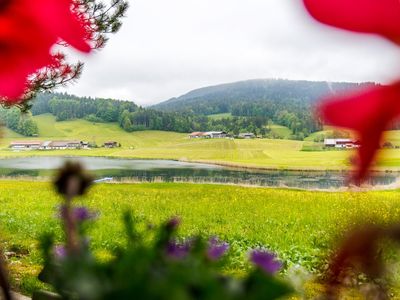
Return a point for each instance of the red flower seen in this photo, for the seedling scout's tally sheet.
(380, 17)
(368, 112)
(28, 31)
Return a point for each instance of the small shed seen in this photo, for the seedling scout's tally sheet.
(110, 144)
(247, 135)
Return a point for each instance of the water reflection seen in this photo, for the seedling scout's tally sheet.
(174, 171)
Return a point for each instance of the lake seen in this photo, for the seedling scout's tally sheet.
(176, 171)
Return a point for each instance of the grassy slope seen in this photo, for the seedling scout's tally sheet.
(281, 131)
(170, 145)
(298, 225)
(220, 116)
(285, 154)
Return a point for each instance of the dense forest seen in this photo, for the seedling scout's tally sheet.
(251, 106)
(283, 102)
(21, 123)
(222, 98)
(131, 117)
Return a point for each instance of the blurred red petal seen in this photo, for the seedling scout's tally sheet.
(28, 31)
(367, 16)
(369, 113)
(64, 23)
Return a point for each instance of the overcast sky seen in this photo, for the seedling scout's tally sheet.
(169, 47)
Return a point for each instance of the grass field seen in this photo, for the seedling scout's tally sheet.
(300, 226)
(220, 116)
(280, 131)
(261, 153)
(170, 145)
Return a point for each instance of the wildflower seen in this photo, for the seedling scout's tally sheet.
(79, 213)
(216, 249)
(28, 31)
(368, 112)
(363, 16)
(83, 214)
(72, 180)
(173, 223)
(60, 252)
(178, 250)
(265, 260)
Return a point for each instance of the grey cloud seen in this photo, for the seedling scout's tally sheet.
(166, 48)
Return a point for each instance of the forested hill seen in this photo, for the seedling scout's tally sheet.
(127, 114)
(244, 97)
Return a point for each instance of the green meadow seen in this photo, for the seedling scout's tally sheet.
(257, 153)
(264, 153)
(299, 226)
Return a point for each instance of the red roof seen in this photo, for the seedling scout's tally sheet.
(197, 133)
(26, 143)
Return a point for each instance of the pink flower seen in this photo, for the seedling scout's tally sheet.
(365, 16)
(367, 112)
(28, 31)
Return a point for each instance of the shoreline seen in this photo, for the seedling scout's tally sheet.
(229, 165)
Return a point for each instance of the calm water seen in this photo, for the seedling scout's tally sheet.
(174, 171)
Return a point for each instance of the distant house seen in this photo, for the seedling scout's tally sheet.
(61, 145)
(341, 143)
(215, 134)
(247, 135)
(25, 145)
(46, 145)
(110, 144)
(195, 135)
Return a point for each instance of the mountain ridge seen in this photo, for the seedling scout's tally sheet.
(254, 90)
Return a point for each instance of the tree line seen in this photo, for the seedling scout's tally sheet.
(132, 117)
(21, 123)
(246, 117)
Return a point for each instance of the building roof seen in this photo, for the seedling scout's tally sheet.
(214, 132)
(246, 133)
(197, 133)
(28, 143)
(63, 143)
(336, 141)
(46, 143)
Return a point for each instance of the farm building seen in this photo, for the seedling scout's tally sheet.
(341, 143)
(209, 135)
(48, 145)
(110, 144)
(195, 135)
(25, 145)
(215, 134)
(247, 135)
(60, 145)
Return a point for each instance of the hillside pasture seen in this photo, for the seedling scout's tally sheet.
(220, 116)
(260, 153)
(279, 131)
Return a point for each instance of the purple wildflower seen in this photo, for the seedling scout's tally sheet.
(178, 250)
(82, 214)
(79, 213)
(216, 249)
(265, 260)
(60, 252)
(173, 223)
